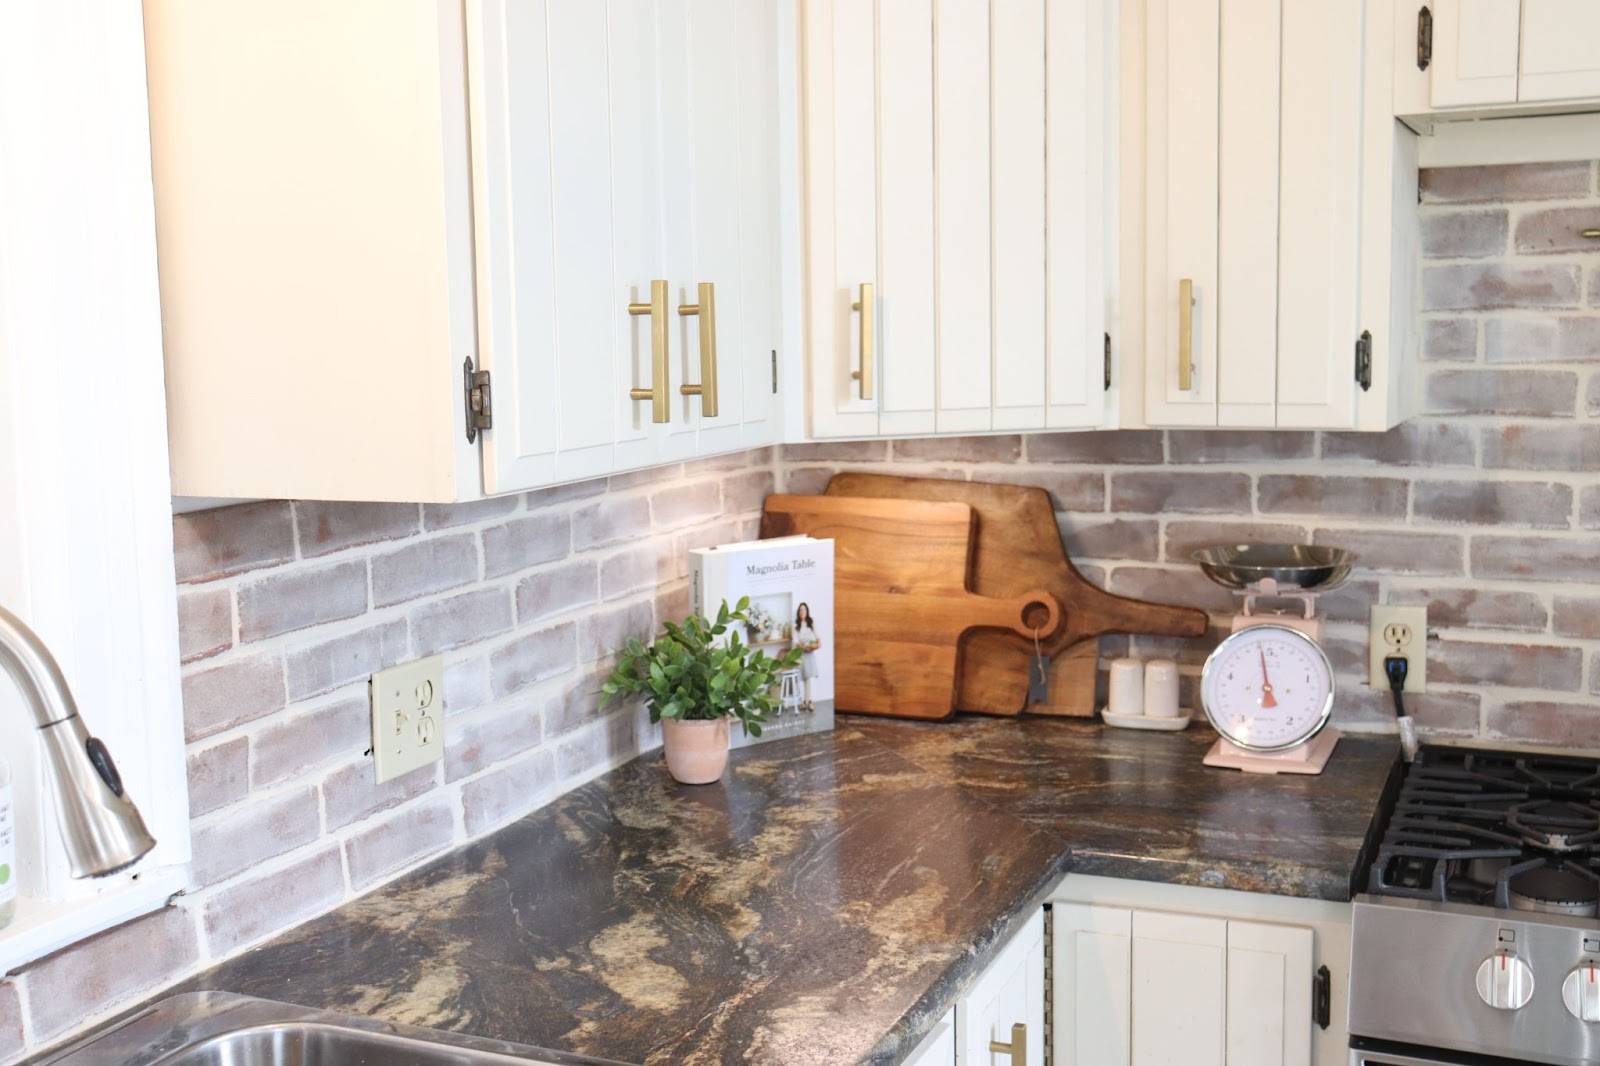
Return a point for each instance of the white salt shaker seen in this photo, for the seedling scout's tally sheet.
(1127, 687)
(1161, 688)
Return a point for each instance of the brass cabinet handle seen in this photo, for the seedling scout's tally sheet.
(657, 392)
(864, 305)
(1017, 1049)
(707, 310)
(1185, 334)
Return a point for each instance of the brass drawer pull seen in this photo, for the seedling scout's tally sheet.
(865, 325)
(706, 309)
(659, 364)
(1017, 1049)
(1185, 334)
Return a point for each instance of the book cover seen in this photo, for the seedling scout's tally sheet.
(790, 584)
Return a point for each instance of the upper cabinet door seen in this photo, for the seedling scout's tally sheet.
(1319, 215)
(1560, 50)
(841, 154)
(1475, 51)
(1256, 131)
(957, 223)
(568, 223)
(624, 161)
(1080, 252)
(1183, 55)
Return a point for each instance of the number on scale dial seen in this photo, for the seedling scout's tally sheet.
(1267, 688)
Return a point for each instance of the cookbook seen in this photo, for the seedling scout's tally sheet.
(790, 584)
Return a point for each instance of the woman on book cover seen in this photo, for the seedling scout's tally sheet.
(807, 640)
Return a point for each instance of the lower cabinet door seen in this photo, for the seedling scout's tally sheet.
(1092, 964)
(1179, 966)
(1151, 988)
(1269, 994)
(1010, 993)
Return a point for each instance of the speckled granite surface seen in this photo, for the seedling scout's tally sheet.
(824, 904)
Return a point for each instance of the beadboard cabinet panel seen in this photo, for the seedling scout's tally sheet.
(956, 164)
(1274, 174)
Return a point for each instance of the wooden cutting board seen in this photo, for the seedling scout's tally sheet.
(1018, 548)
(902, 598)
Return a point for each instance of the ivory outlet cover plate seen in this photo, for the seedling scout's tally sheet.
(407, 717)
(1405, 629)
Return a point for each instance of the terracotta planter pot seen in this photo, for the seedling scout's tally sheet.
(697, 752)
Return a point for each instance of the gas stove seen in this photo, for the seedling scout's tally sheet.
(1479, 931)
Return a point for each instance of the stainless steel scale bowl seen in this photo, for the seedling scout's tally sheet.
(1292, 567)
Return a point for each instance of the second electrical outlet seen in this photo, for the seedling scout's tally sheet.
(407, 716)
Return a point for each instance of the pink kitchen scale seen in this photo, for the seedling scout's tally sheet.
(1268, 688)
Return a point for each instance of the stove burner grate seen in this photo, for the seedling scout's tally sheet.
(1494, 829)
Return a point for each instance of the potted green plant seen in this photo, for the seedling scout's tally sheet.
(696, 678)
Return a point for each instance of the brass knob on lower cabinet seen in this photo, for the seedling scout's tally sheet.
(660, 411)
(706, 309)
(1017, 1049)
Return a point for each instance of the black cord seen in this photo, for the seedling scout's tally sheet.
(1395, 668)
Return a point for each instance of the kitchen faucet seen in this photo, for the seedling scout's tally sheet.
(100, 826)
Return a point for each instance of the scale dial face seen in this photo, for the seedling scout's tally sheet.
(1267, 688)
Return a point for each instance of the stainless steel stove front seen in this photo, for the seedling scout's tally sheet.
(1475, 979)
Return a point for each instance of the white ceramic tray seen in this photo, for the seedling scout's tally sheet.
(1141, 721)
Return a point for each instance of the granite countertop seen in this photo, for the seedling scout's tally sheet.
(825, 903)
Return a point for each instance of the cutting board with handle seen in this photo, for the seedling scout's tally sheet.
(1019, 548)
(901, 593)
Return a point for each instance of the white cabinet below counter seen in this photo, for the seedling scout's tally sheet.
(1165, 975)
(361, 205)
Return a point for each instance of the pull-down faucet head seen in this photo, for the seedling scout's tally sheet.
(100, 826)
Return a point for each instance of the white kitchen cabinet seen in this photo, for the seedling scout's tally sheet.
(1279, 218)
(958, 224)
(1162, 975)
(1559, 51)
(359, 205)
(1474, 52)
(1006, 1004)
(1488, 57)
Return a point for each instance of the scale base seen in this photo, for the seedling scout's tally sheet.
(1308, 758)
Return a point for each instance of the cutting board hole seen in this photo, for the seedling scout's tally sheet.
(1035, 615)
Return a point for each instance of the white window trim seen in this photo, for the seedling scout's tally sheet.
(86, 545)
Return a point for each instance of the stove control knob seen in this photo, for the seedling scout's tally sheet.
(1505, 982)
(1581, 992)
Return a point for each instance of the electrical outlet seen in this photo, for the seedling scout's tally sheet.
(407, 716)
(1398, 631)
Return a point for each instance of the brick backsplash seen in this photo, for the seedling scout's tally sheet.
(1483, 509)
(285, 608)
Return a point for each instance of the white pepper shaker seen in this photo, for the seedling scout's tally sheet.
(1161, 688)
(1127, 687)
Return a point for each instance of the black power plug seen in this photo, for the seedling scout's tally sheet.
(1396, 668)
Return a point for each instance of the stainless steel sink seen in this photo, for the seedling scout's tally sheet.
(220, 1029)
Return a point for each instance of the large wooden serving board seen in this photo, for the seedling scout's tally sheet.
(1018, 548)
(901, 596)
